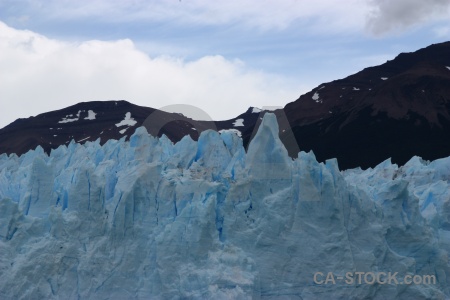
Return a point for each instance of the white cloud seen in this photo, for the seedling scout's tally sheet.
(325, 15)
(378, 17)
(38, 74)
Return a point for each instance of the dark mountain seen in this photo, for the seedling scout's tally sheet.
(89, 121)
(104, 120)
(398, 109)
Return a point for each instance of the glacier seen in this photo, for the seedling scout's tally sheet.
(149, 219)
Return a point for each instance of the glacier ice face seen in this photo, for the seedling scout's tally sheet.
(149, 219)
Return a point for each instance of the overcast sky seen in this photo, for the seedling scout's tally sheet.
(221, 56)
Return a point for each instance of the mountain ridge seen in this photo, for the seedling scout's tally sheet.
(396, 110)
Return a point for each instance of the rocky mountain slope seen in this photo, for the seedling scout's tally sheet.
(398, 109)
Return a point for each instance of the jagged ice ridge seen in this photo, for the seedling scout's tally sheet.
(152, 219)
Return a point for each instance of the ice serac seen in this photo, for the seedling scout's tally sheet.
(147, 219)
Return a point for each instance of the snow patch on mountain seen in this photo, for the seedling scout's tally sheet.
(70, 118)
(91, 115)
(256, 110)
(238, 122)
(315, 97)
(82, 140)
(128, 121)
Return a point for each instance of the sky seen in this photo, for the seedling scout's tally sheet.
(219, 56)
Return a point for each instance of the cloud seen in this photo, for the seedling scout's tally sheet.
(38, 74)
(397, 15)
(322, 15)
(377, 17)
